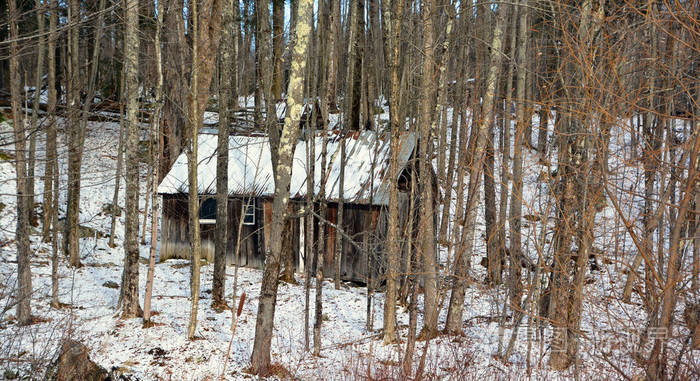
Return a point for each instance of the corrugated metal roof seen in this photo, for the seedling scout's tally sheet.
(250, 167)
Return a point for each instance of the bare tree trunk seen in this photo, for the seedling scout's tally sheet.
(176, 57)
(657, 357)
(277, 47)
(321, 253)
(338, 256)
(463, 127)
(354, 73)
(696, 241)
(465, 248)
(246, 49)
(264, 68)
(309, 227)
(440, 124)
(129, 296)
(496, 262)
(652, 133)
(350, 123)
(149, 187)
(311, 255)
(192, 161)
(412, 321)
(54, 243)
(374, 66)
(115, 209)
(155, 139)
(493, 252)
(71, 238)
(51, 191)
(543, 129)
(393, 242)
(260, 358)
(228, 101)
(92, 77)
(318, 318)
(321, 246)
(410, 232)
(334, 56)
(24, 275)
(573, 196)
(517, 190)
(206, 25)
(51, 152)
(34, 129)
(427, 248)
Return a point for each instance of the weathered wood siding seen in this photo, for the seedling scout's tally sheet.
(175, 242)
(366, 225)
(254, 238)
(361, 246)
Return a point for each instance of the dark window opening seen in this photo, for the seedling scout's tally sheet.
(404, 182)
(207, 211)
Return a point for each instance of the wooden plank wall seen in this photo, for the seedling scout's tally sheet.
(363, 224)
(175, 241)
(254, 241)
(366, 225)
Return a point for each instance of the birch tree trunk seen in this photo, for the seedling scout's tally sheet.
(440, 124)
(155, 139)
(266, 67)
(495, 263)
(442, 107)
(462, 159)
(260, 358)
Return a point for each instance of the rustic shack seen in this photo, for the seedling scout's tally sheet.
(251, 191)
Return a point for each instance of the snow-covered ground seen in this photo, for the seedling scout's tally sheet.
(349, 350)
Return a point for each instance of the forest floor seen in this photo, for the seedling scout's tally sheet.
(349, 350)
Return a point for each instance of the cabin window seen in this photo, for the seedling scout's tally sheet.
(207, 212)
(248, 211)
(404, 183)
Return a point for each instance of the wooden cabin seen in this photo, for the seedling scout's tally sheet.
(251, 191)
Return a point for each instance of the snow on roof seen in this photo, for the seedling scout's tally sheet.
(250, 167)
